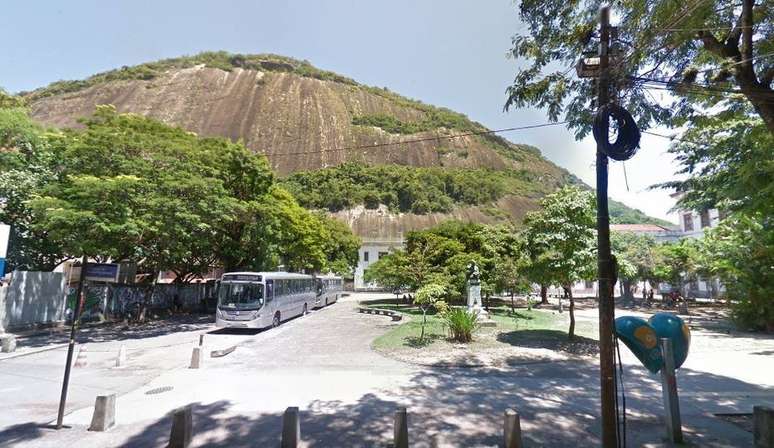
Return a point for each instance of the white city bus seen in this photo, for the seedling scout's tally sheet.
(329, 288)
(263, 299)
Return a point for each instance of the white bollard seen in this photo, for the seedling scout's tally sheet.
(763, 427)
(512, 429)
(121, 359)
(182, 428)
(7, 343)
(80, 360)
(291, 428)
(104, 416)
(400, 431)
(196, 358)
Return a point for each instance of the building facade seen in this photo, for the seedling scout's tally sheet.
(370, 251)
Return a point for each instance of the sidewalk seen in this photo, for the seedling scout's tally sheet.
(45, 339)
(31, 381)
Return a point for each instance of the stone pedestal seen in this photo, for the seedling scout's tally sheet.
(475, 306)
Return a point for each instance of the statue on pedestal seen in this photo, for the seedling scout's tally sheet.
(474, 291)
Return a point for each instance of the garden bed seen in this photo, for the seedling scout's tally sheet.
(522, 336)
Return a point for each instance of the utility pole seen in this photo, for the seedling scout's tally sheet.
(71, 347)
(604, 259)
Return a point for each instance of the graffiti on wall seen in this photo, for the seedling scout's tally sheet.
(102, 301)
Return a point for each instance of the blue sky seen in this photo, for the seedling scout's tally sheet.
(445, 52)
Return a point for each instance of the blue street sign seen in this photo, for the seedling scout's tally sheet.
(102, 271)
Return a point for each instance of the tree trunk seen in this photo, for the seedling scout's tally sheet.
(424, 321)
(571, 332)
(627, 289)
(543, 295)
(513, 306)
(486, 302)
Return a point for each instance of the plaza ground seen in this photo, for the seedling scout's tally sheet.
(324, 363)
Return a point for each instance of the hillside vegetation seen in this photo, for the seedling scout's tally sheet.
(335, 143)
(405, 189)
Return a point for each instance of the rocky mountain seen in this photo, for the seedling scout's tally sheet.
(305, 119)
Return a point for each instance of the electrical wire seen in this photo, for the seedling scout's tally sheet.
(673, 24)
(762, 56)
(628, 139)
(674, 138)
(713, 92)
(418, 140)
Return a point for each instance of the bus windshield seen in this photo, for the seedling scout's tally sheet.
(240, 296)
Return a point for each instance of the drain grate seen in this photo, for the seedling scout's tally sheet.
(159, 390)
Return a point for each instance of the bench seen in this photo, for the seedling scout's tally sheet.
(393, 314)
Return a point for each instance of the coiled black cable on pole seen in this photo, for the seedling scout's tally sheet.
(628, 139)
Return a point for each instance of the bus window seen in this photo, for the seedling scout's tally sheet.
(269, 290)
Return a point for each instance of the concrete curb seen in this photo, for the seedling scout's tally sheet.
(32, 352)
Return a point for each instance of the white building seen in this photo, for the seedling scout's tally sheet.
(370, 251)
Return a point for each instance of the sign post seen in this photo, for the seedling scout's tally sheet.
(669, 391)
(71, 347)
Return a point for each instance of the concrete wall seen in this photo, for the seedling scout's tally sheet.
(112, 300)
(32, 298)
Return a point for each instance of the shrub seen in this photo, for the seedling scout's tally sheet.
(428, 296)
(461, 324)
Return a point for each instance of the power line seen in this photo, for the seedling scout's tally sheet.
(418, 140)
(656, 31)
(762, 56)
(707, 91)
(718, 28)
(674, 138)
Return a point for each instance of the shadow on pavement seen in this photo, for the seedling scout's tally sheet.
(464, 407)
(119, 331)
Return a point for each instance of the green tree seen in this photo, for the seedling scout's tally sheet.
(740, 251)
(699, 49)
(427, 296)
(391, 272)
(28, 162)
(676, 263)
(635, 257)
(133, 187)
(727, 158)
(560, 240)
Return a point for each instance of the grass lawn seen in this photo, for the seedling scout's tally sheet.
(528, 328)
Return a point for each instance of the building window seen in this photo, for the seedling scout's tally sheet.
(688, 222)
(382, 254)
(705, 220)
(365, 256)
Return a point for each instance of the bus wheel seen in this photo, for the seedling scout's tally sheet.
(306, 311)
(276, 321)
(326, 301)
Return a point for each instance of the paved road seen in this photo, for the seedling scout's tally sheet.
(347, 394)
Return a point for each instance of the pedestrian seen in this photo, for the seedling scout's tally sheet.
(177, 304)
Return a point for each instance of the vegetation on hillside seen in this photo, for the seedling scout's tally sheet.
(213, 59)
(132, 188)
(622, 214)
(440, 118)
(406, 189)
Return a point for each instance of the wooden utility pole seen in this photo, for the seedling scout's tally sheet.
(71, 347)
(604, 259)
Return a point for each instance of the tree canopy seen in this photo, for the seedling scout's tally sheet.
(703, 52)
(127, 187)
